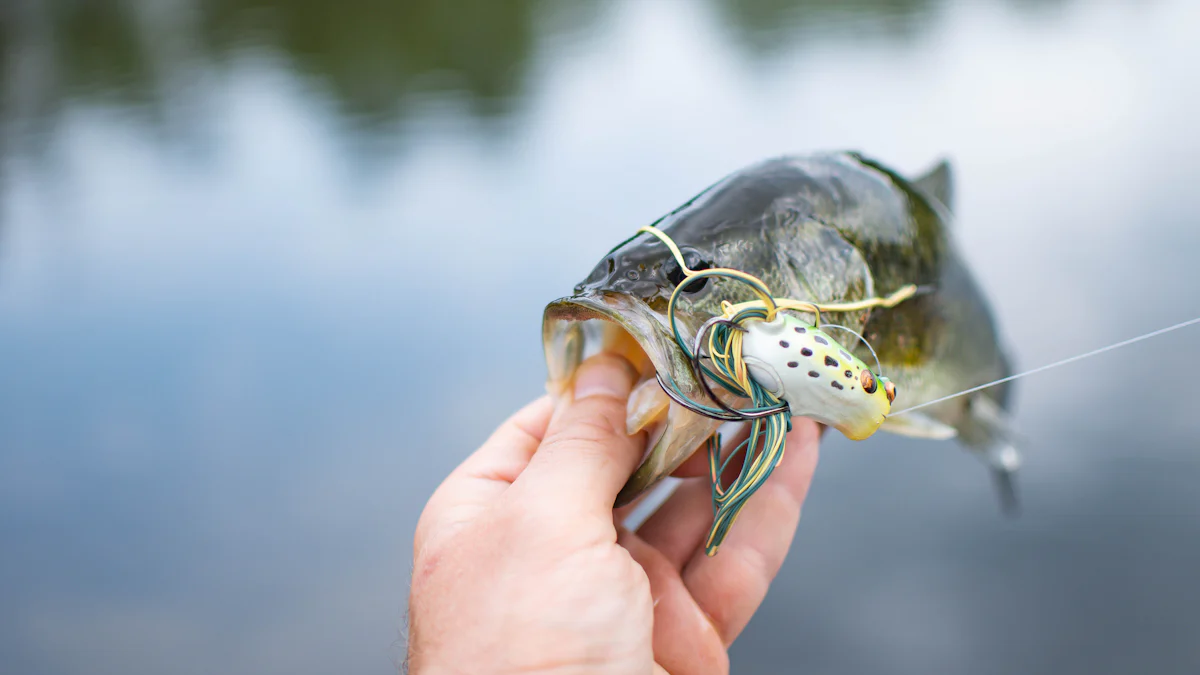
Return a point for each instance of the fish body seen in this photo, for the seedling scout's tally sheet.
(825, 228)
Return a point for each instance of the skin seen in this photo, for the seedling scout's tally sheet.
(521, 566)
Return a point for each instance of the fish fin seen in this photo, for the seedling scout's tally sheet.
(1006, 491)
(938, 183)
(918, 425)
(1004, 460)
(994, 441)
(991, 417)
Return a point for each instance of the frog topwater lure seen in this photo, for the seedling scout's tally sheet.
(786, 366)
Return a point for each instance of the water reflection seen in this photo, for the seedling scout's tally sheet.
(219, 412)
(372, 59)
(771, 26)
(376, 61)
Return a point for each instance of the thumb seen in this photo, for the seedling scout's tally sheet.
(586, 456)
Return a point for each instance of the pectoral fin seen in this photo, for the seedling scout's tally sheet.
(918, 425)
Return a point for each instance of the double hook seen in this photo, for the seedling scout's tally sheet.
(727, 413)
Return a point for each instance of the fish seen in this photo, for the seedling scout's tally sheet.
(826, 228)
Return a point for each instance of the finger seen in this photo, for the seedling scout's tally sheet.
(697, 463)
(730, 585)
(586, 456)
(506, 453)
(685, 641)
(621, 514)
(646, 504)
(488, 471)
(681, 524)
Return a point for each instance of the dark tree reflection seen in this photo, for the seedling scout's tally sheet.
(770, 26)
(373, 58)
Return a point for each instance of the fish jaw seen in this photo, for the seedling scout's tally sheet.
(576, 327)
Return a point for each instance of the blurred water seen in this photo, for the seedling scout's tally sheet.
(234, 234)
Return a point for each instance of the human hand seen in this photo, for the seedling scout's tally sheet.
(521, 565)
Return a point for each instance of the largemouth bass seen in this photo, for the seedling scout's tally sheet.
(828, 228)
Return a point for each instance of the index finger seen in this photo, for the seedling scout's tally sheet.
(489, 471)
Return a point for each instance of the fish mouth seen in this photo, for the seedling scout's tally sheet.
(579, 326)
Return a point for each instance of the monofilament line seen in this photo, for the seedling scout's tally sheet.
(1078, 357)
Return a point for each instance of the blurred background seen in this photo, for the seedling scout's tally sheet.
(235, 236)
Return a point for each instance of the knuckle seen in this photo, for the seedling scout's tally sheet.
(755, 571)
(426, 564)
(642, 588)
(522, 515)
(591, 424)
(533, 519)
(587, 449)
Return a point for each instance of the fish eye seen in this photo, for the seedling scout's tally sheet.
(869, 384)
(890, 390)
(694, 262)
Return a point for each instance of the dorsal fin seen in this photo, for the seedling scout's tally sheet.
(938, 183)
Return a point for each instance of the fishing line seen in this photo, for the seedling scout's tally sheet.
(1049, 366)
(878, 365)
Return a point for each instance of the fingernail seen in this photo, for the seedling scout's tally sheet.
(604, 375)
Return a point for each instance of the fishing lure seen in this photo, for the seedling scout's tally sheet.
(786, 366)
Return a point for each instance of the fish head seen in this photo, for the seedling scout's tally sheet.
(621, 307)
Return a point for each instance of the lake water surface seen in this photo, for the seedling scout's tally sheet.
(236, 237)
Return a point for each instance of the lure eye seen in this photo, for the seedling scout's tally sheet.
(694, 262)
(869, 384)
(890, 390)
